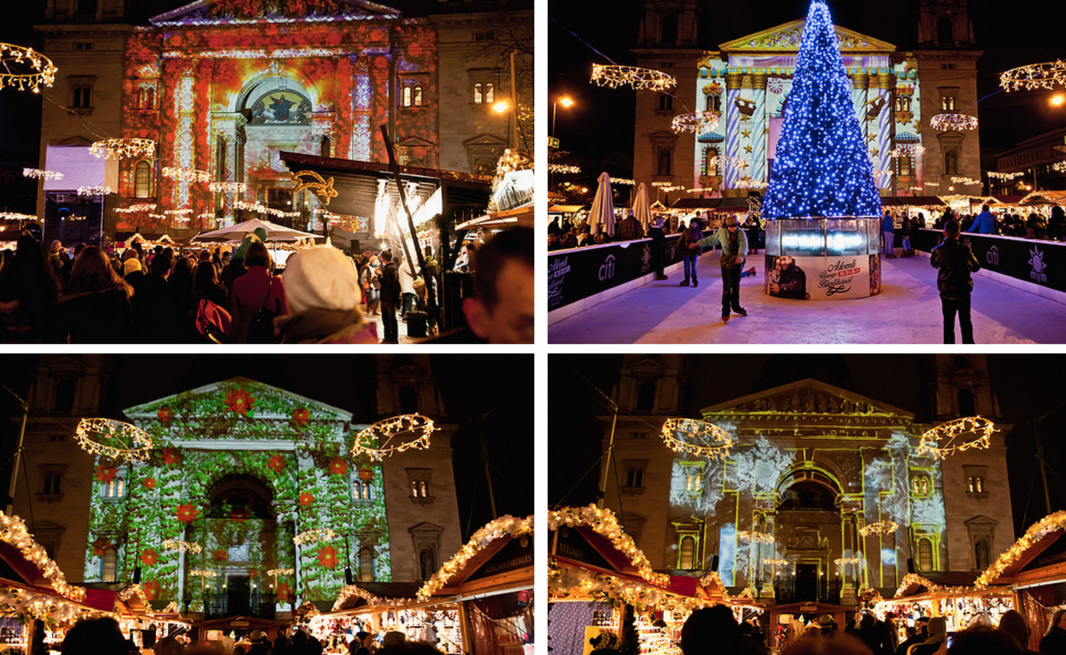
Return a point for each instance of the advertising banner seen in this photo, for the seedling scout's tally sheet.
(582, 272)
(823, 278)
(1042, 263)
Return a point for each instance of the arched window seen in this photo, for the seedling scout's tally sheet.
(980, 554)
(427, 562)
(670, 29)
(945, 31)
(966, 403)
(109, 564)
(142, 180)
(925, 555)
(407, 97)
(711, 164)
(418, 96)
(361, 491)
(951, 162)
(408, 400)
(646, 395)
(366, 565)
(686, 558)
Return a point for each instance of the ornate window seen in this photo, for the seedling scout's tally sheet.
(686, 553)
(142, 180)
(109, 564)
(976, 481)
(484, 93)
(366, 564)
(419, 486)
(116, 488)
(925, 555)
(689, 543)
(362, 492)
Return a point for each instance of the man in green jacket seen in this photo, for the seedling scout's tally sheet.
(734, 249)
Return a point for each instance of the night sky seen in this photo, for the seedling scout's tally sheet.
(469, 385)
(598, 130)
(1022, 384)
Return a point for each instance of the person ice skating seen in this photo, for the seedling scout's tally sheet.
(955, 262)
(690, 251)
(888, 231)
(734, 250)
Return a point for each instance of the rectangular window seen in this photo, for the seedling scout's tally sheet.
(83, 46)
(82, 98)
(638, 435)
(635, 478)
(361, 491)
(484, 93)
(53, 484)
(115, 488)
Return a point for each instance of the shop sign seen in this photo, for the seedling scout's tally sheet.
(516, 190)
(819, 278)
(582, 272)
(516, 554)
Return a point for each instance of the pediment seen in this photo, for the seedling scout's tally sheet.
(212, 12)
(426, 528)
(788, 37)
(198, 412)
(807, 396)
(415, 142)
(485, 140)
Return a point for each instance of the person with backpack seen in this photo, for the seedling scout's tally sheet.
(258, 297)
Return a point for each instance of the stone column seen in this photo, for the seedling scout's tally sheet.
(732, 127)
(760, 129)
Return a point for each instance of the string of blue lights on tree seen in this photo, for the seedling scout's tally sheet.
(821, 167)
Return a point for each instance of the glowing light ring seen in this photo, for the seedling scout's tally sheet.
(95, 191)
(658, 184)
(16, 216)
(39, 174)
(228, 187)
(694, 122)
(13, 531)
(846, 560)
(1059, 167)
(776, 562)
(182, 546)
(959, 179)
(1034, 76)
(726, 160)
(44, 71)
(695, 437)
(131, 442)
(882, 527)
(953, 122)
(314, 536)
(639, 78)
(186, 174)
(751, 184)
(755, 537)
(203, 573)
(948, 433)
(276, 572)
(505, 526)
(907, 151)
(1037, 532)
(623, 180)
(996, 175)
(564, 169)
(132, 209)
(377, 440)
(123, 148)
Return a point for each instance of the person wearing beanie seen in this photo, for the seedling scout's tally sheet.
(323, 297)
(938, 628)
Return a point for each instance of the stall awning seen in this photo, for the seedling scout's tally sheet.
(911, 201)
(915, 584)
(1038, 556)
(517, 217)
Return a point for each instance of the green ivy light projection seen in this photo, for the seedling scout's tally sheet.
(295, 450)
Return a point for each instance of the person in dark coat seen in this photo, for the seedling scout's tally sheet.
(658, 248)
(157, 314)
(956, 261)
(390, 298)
(1054, 641)
(27, 293)
(94, 305)
(1012, 623)
(1056, 225)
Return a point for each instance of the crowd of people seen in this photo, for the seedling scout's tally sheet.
(1011, 224)
(218, 295)
(565, 232)
(103, 636)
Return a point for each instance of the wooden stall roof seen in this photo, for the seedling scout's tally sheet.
(838, 611)
(911, 201)
(388, 591)
(1038, 556)
(915, 584)
(504, 564)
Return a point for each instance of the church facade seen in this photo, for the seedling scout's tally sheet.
(744, 85)
(812, 465)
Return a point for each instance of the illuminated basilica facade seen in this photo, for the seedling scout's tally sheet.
(223, 86)
(813, 465)
(745, 82)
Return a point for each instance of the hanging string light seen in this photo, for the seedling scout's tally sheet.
(961, 179)
(726, 160)
(355, 591)
(881, 527)
(177, 212)
(695, 437)
(564, 169)
(842, 561)
(1034, 76)
(182, 546)
(639, 78)
(16, 216)
(394, 435)
(1059, 167)
(39, 174)
(953, 122)
(505, 526)
(13, 532)
(1035, 534)
(907, 151)
(756, 537)
(995, 175)
(14, 58)
(695, 122)
(182, 174)
(956, 436)
(228, 187)
(776, 562)
(623, 181)
(133, 209)
(123, 148)
(94, 191)
(276, 572)
(203, 573)
(751, 184)
(113, 439)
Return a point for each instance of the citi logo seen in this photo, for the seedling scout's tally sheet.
(992, 256)
(607, 269)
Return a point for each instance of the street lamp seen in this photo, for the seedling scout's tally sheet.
(565, 101)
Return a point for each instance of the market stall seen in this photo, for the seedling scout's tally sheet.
(491, 577)
(950, 594)
(786, 622)
(1034, 570)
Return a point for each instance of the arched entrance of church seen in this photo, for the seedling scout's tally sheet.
(808, 525)
(238, 539)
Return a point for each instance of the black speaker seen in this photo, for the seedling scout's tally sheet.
(136, 575)
(714, 564)
(910, 565)
(348, 575)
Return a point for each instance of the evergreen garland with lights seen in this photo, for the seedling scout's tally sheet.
(821, 167)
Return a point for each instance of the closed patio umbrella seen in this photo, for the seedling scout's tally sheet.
(601, 216)
(642, 207)
(274, 232)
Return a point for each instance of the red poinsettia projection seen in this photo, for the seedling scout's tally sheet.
(301, 416)
(239, 402)
(187, 513)
(106, 474)
(99, 546)
(151, 589)
(337, 466)
(327, 557)
(171, 456)
(284, 592)
(165, 415)
(306, 499)
(149, 557)
(220, 555)
(276, 463)
(149, 483)
(239, 514)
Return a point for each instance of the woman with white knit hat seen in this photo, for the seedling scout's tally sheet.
(323, 296)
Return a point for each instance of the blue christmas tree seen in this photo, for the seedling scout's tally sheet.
(821, 168)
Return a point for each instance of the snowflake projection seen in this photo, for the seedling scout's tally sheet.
(684, 493)
(929, 511)
(759, 468)
(728, 555)
(894, 505)
(775, 85)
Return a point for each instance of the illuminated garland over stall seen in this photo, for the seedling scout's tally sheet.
(604, 523)
(14, 57)
(954, 430)
(13, 532)
(1038, 531)
(505, 526)
(639, 78)
(565, 582)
